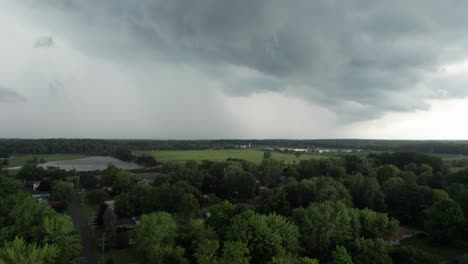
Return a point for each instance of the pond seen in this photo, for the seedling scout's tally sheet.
(91, 164)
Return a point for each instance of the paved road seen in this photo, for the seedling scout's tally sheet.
(81, 223)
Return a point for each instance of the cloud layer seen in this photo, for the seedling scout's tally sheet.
(10, 96)
(354, 60)
(354, 56)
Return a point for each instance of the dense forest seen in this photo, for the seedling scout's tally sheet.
(334, 210)
(109, 147)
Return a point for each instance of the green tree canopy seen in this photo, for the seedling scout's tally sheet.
(293, 260)
(326, 225)
(61, 191)
(19, 252)
(123, 182)
(366, 192)
(266, 235)
(238, 182)
(444, 221)
(221, 216)
(369, 251)
(386, 172)
(59, 231)
(341, 256)
(156, 237)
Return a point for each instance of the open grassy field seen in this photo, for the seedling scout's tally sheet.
(220, 155)
(22, 159)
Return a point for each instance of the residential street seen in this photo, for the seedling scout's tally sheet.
(81, 223)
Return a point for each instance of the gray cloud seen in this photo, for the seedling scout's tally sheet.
(10, 96)
(359, 58)
(44, 42)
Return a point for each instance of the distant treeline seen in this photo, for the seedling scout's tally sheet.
(109, 147)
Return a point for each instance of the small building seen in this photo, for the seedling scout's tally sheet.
(41, 196)
(44, 185)
(147, 181)
(35, 185)
(110, 204)
(128, 223)
(107, 188)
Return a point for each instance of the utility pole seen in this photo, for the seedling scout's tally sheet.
(83, 197)
(103, 243)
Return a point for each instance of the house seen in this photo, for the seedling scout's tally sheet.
(147, 181)
(137, 219)
(128, 223)
(44, 185)
(107, 188)
(41, 196)
(110, 204)
(35, 185)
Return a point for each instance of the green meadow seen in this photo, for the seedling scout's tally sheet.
(220, 155)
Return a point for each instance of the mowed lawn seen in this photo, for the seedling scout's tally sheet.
(221, 155)
(21, 160)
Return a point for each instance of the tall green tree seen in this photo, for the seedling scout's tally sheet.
(19, 252)
(238, 182)
(221, 216)
(293, 260)
(156, 237)
(301, 194)
(265, 235)
(328, 189)
(123, 182)
(369, 251)
(462, 198)
(8, 186)
(273, 200)
(444, 221)
(386, 172)
(326, 225)
(28, 216)
(207, 252)
(341, 256)
(235, 252)
(61, 191)
(309, 168)
(192, 233)
(59, 231)
(366, 192)
(271, 171)
(125, 206)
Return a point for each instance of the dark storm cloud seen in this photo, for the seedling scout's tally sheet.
(351, 56)
(10, 96)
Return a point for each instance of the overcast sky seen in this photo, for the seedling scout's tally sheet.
(172, 69)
